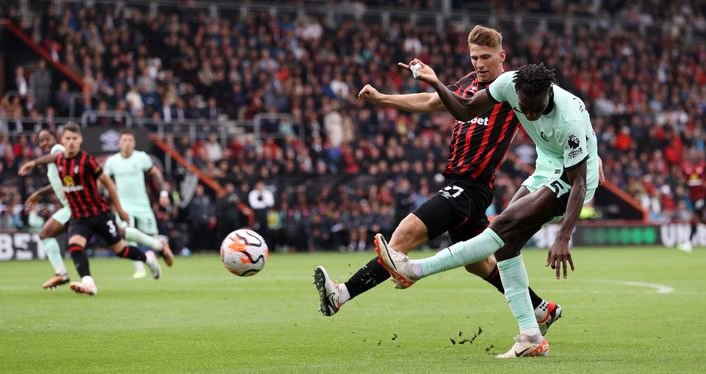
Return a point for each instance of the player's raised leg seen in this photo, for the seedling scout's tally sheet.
(53, 227)
(435, 216)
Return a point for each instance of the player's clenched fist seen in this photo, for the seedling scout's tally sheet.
(369, 94)
(420, 70)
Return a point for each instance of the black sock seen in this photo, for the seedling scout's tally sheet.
(366, 278)
(494, 279)
(133, 254)
(78, 255)
(694, 228)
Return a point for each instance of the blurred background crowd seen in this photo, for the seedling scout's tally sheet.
(263, 100)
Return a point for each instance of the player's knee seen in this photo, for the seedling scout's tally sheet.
(482, 268)
(43, 234)
(509, 250)
(73, 247)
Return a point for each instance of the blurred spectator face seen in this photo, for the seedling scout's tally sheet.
(126, 144)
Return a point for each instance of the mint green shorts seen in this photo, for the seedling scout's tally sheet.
(142, 220)
(559, 187)
(63, 215)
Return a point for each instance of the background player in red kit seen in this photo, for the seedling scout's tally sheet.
(90, 212)
(476, 150)
(694, 172)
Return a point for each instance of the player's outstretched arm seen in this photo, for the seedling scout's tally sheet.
(34, 197)
(105, 180)
(560, 253)
(463, 109)
(28, 166)
(424, 102)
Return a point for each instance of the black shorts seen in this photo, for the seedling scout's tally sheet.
(458, 208)
(102, 225)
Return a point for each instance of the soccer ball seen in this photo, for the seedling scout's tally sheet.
(244, 252)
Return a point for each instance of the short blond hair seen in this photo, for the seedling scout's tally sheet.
(485, 36)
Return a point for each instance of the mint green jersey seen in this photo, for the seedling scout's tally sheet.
(129, 175)
(54, 178)
(563, 138)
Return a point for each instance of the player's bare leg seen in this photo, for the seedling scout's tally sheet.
(410, 233)
(47, 235)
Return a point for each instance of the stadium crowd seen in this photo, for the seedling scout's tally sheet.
(358, 169)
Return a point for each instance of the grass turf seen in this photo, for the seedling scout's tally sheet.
(201, 319)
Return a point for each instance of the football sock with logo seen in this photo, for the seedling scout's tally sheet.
(132, 253)
(461, 253)
(494, 279)
(134, 235)
(78, 255)
(514, 277)
(51, 247)
(367, 277)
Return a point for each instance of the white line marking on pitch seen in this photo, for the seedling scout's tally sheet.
(659, 288)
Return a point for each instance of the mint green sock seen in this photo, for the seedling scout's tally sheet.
(462, 253)
(514, 277)
(135, 235)
(51, 247)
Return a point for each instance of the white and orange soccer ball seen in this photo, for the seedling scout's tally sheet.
(244, 252)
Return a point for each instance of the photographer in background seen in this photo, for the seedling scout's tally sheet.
(261, 199)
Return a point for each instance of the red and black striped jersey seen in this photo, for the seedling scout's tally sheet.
(695, 175)
(79, 175)
(478, 146)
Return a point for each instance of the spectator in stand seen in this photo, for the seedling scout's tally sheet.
(40, 86)
(202, 219)
(260, 200)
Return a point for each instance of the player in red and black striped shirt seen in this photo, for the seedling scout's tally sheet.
(476, 150)
(90, 212)
(694, 172)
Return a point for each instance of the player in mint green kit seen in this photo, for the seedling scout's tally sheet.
(128, 168)
(566, 177)
(57, 223)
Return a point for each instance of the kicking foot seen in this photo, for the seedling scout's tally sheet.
(526, 347)
(167, 253)
(396, 263)
(328, 292)
(55, 281)
(152, 264)
(547, 313)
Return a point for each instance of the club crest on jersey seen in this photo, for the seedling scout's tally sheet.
(68, 181)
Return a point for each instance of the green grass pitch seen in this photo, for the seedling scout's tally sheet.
(201, 319)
